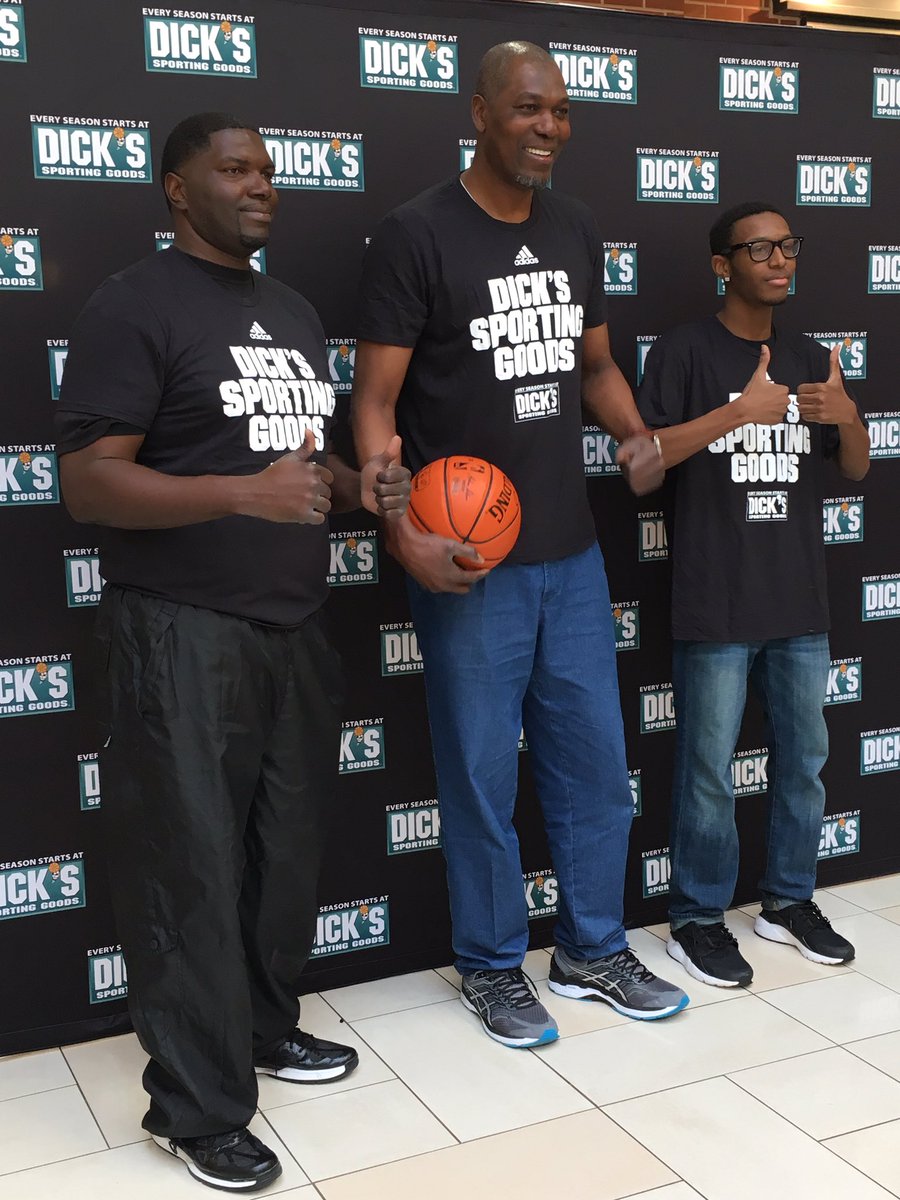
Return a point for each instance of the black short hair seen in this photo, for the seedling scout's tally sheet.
(191, 136)
(494, 67)
(722, 232)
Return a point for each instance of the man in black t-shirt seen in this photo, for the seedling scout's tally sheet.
(477, 296)
(747, 415)
(188, 378)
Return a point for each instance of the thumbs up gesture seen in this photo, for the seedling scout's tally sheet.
(827, 403)
(384, 483)
(762, 401)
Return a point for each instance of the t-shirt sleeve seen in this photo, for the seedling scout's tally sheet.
(664, 389)
(596, 311)
(395, 290)
(115, 364)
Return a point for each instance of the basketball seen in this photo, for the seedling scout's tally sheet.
(468, 500)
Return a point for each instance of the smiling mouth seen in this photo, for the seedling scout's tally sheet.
(261, 214)
(540, 155)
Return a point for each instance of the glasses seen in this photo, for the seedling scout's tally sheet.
(762, 249)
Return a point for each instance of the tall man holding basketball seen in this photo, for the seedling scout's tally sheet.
(474, 294)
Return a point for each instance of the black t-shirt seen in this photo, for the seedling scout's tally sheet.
(744, 515)
(495, 313)
(223, 377)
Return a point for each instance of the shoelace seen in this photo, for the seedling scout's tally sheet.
(218, 1142)
(716, 936)
(511, 986)
(628, 964)
(807, 915)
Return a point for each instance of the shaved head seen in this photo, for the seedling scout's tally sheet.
(495, 67)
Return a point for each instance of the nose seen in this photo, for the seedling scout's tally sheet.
(546, 124)
(260, 185)
(777, 258)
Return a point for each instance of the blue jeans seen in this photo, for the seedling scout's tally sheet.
(710, 681)
(529, 646)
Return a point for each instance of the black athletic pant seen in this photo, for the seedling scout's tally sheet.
(218, 772)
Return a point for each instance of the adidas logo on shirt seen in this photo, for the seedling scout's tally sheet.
(258, 333)
(525, 258)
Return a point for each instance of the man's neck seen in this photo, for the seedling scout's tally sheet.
(500, 200)
(745, 321)
(190, 242)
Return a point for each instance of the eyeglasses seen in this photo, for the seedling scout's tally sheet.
(762, 249)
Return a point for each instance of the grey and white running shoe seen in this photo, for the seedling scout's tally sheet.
(508, 1007)
(620, 980)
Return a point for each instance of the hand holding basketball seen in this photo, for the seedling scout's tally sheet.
(470, 501)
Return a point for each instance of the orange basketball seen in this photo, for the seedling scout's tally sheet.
(470, 501)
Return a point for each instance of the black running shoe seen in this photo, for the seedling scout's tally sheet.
(302, 1058)
(233, 1162)
(710, 953)
(805, 926)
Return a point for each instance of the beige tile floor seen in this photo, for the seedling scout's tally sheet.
(787, 1090)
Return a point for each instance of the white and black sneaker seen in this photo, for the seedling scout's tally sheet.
(805, 926)
(302, 1058)
(509, 1008)
(233, 1162)
(710, 953)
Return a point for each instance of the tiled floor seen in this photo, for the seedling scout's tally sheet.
(787, 1090)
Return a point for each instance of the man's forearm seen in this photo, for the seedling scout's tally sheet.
(853, 452)
(607, 398)
(345, 494)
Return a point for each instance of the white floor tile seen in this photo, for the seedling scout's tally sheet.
(389, 995)
(319, 1018)
(536, 964)
(729, 1146)
(831, 904)
(774, 964)
(870, 893)
(844, 1008)
(645, 1056)
(24, 1074)
(109, 1074)
(889, 914)
(873, 1151)
(675, 1191)
(651, 950)
(581, 1157)
(877, 943)
(138, 1172)
(46, 1127)
(824, 1094)
(882, 1052)
(360, 1129)
(473, 1084)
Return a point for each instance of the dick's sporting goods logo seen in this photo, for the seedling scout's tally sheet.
(828, 179)
(634, 782)
(41, 885)
(884, 434)
(164, 239)
(400, 653)
(880, 597)
(657, 707)
(886, 92)
(537, 401)
(643, 342)
(83, 580)
(36, 685)
(413, 827)
(466, 153)
(853, 351)
(341, 361)
(89, 782)
(620, 268)
(541, 894)
(599, 451)
(28, 475)
(748, 772)
(655, 872)
(767, 506)
(840, 835)
(206, 44)
(844, 681)
(843, 519)
(879, 750)
(759, 85)
(107, 975)
(310, 158)
(682, 176)
(12, 32)
(57, 352)
(652, 542)
(627, 625)
(360, 925)
(108, 149)
(20, 259)
(884, 269)
(603, 73)
(354, 558)
(416, 62)
(362, 746)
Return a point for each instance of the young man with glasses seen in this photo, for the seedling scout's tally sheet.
(747, 414)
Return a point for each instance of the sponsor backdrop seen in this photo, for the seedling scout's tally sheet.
(361, 108)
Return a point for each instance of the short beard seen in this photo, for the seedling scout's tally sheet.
(532, 181)
(252, 243)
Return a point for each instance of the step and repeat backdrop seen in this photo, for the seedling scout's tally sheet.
(361, 108)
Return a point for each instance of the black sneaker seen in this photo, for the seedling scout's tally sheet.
(805, 926)
(710, 953)
(235, 1161)
(509, 1008)
(303, 1058)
